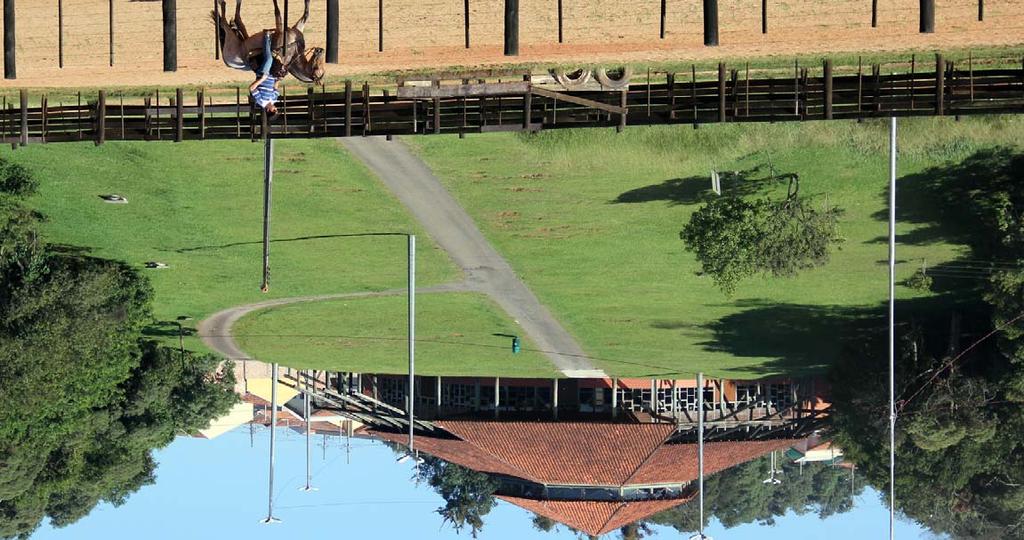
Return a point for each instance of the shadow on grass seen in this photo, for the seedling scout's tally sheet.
(949, 202)
(296, 239)
(797, 339)
(697, 189)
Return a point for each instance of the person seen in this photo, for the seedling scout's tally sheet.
(264, 89)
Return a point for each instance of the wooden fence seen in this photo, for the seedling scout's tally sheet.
(517, 106)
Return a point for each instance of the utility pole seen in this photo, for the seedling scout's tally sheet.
(700, 446)
(892, 327)
(268, 188)
(306, 414)
(412, 337)
(273, 425)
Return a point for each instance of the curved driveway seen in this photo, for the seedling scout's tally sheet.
(412, 182)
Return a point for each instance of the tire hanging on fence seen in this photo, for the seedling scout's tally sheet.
(614, 82)
(572, 79)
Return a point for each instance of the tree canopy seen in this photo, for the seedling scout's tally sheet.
(83, 399)
(737, 237)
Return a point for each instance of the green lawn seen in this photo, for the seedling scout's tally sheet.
(454, 335)
(591, 220)
(198, 208)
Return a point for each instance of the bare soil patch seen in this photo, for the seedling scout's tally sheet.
(429, 34)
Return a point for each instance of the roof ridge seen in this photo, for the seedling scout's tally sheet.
(648, 458)
(525, 476)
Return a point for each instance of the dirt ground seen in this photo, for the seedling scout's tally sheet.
(429, 33)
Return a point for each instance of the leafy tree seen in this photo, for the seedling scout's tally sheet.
(468, 494)
(543, 524)
(83, 401)
(735, 238)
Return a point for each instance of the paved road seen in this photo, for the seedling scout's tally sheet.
(486, 271)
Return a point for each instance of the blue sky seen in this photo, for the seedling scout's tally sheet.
(218, 489)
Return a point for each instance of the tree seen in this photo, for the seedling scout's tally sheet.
(468, 494)
(735, 237)
(83, 400)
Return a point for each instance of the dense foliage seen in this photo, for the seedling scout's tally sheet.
(468, 494)
(736, 237)
(83, 400)
(960, 370)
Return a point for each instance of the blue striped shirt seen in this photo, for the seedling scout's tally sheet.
(266, 93)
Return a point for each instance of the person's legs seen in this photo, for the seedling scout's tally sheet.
(268, 56)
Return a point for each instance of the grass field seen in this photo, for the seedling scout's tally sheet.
(198, 208)
(455, 334)
(591, 220)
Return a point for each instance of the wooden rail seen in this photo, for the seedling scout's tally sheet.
(486, 107)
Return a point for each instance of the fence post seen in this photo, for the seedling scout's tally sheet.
(560, 20)
(721, 92)
(333, 20)
(60, 34)
(348, 108)
(24, 117)
(465, 21)
(927, 16)
(110, 6)
(10, 67)
(101, 118)
(511, 27)
(664, 9)
(710, 23)
(179, 120)
(940, 86)
(170, 18)
(828, 89)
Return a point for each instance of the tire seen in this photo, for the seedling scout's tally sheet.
(572, 79)
(614, 81)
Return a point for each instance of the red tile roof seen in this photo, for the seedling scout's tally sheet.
(677, 463)
(566, 452)
(584, 454)
(594, 517)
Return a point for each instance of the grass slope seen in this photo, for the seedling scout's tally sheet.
(198, 207)
(454, 336)
(591, 219)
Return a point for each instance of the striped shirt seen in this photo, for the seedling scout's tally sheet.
(266, 93)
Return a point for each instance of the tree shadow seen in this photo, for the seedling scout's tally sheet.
(168, 329)
(948, 202)
(800, 339)
(697, 189)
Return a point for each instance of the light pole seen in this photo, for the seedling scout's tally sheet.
(700, 454)
(306, 413)
(273, 429)
(412, 336)
(892, 327)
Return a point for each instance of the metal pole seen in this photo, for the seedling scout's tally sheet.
(412, 334)
(273, 441)
(700, 446)
(892, 327)
(268, 185)
(305, 412)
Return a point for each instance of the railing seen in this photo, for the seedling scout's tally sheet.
(486, 107)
